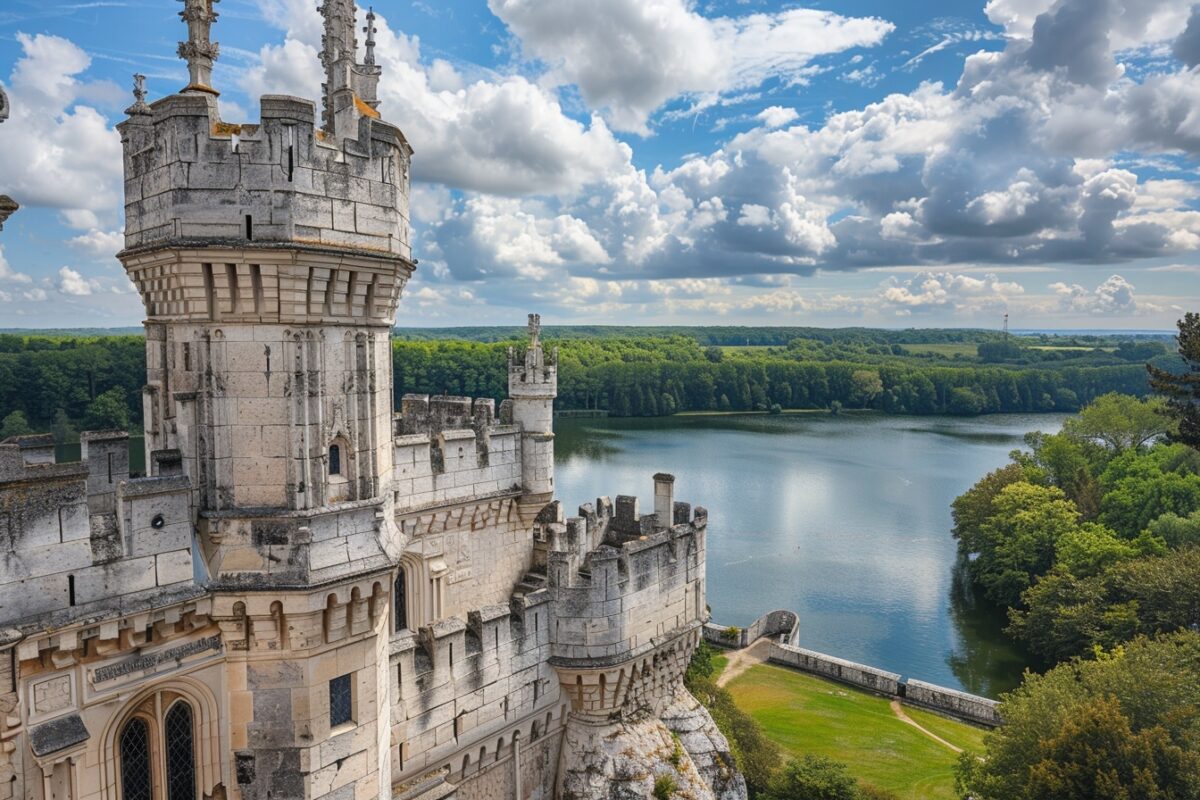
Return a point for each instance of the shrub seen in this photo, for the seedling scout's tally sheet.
(664, 787)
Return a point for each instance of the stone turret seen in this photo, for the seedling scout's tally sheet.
(270, 258)
(532, 387)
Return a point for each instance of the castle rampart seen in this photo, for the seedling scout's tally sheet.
(311, 596)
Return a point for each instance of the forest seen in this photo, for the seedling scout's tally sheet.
(1089, 539)
(69, 382)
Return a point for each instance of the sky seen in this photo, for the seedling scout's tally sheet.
(830, 163)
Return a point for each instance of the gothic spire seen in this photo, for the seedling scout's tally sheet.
(198, 50)
(370, 30)
(337, 56)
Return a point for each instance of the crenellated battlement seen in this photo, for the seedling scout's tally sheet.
(86, 537)
(621, 581)
(192, 177)
(425, 414)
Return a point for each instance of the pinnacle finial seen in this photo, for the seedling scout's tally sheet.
(370, 30)
(3, 105)
(199, 51)
(139, 94)
(535, 329)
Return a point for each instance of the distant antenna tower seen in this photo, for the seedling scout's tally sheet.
(1006, 327)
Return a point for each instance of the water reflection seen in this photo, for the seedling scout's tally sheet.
(845, 520)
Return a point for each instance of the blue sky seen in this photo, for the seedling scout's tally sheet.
(837, 162)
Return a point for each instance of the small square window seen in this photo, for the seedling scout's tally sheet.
(340, 703)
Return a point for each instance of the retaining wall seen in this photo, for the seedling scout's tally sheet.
(876, 680)
(955, 703)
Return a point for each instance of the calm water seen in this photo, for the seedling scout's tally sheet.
(845, 520)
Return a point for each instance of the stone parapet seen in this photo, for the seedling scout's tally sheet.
(190, 176)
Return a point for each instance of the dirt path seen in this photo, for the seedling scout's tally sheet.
(742, 660)
(898, 710)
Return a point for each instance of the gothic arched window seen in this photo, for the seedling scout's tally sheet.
(180, 758)
(335, 459)
(135, 760)
(157, 751)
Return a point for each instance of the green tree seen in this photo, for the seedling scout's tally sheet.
(1017, 542)
(813, 778)
(1119, 422)
(1066, 616)
(108, 411)
(1054, 725)
(1182, 389)
(1090, 548)
(15, 424)
(867, 386)
(1096, 755)
(1140, 487)
(965, 401)
(973, 507)
(1176, 531)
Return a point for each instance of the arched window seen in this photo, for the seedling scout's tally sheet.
(135, 760)
(401, 603)
(157, 751)
(180, 756)
(335, 459)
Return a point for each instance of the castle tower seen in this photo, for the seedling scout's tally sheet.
(270, 258)
(532, 387)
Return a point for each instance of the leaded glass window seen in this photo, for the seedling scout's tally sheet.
(181, 762)
(401, 604)
(135, 760)
(335, 459)
(340, 711)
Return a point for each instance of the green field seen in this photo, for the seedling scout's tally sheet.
(948, 349)
(805, 714)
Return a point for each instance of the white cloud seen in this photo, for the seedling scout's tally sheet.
(73, 283)
(936, 291)
(1136, 22)
(54, 151)
(8, 274)
(1114, 296)
(629, 57)
(497, 134)
(776, 116)
(99, 245)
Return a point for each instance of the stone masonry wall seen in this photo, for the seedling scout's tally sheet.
(190, 176)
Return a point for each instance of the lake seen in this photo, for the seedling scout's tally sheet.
(845, 520)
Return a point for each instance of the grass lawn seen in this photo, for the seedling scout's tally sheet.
(806, 714)
(949, 349)
(719, 662)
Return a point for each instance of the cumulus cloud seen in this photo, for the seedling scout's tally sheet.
(73, 283)
(1114, 296)
(99, 245)
(776, 116)
(55, 151)
(629, 57)
(936, 291)
(496, 134)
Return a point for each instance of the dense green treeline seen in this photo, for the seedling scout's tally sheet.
(662, 376)
(68, 383)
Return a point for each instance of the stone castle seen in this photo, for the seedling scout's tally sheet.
(310, 595)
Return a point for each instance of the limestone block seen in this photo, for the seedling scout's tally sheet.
(173, 567)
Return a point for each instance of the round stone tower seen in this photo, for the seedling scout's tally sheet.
(270, 258)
